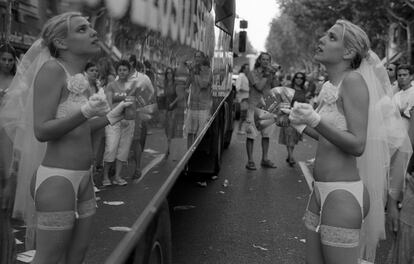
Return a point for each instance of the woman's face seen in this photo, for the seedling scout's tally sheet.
(299, 80)
(82, 38)
(92, 73)
(331, 46)
(123, 72)
(169, 74)
(6, 62)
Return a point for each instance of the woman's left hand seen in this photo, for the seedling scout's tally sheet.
(302, 113)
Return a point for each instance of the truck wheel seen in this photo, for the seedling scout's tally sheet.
(219, 147)
(155, 246)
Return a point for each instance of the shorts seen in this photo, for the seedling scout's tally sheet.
(118, 141)
(252, 131)
(195, 120)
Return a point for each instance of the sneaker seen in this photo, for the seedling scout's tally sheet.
(120, 182)
(250, 165)
(202, 183)
(268, 164)
(215, 177)
(96, 189)
(106, 183)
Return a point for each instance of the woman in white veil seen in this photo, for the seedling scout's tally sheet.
(359, 130)
(49, 120)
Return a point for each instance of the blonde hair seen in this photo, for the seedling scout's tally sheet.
(57, 27)
(355, 39)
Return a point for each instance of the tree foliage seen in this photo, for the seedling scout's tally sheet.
(311, 18)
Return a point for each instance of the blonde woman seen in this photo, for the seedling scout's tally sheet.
(352, 155)
(51, 121)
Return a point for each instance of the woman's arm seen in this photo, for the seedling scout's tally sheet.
(311, 132)
(98, 123)
(355, 100)
(48, 85)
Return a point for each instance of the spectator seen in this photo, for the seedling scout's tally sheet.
(171, 103)
(200, 97)
(259, 86)
(288, 136)
(106, 71)
(118, 138)
(98, 142)
(392, 74)
(7, 182)
(142, 87)
(242, 96)
(404, 98)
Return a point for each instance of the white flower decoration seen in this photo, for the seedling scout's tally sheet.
(77, 83)
(329, 93)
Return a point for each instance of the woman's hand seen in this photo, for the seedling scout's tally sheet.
(117, 114)
(302, 113)
(393, 216)
(96, 106)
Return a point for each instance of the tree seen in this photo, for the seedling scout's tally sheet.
(402, 11)
(312, 18)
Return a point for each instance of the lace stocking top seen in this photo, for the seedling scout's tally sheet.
(328, 107)
(77, 85)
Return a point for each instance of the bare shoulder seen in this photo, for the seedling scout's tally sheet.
(51, 72)
(354, 86)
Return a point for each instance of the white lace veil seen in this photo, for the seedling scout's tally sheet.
(16, 117)
(388, 149)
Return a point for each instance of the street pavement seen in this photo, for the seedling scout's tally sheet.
(255, 218)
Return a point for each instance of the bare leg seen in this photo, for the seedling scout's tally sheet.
(55, 194)
(341, 209)
(107, 166)
(118, 169)
(249, 149)
(82, 233)
(265, 148)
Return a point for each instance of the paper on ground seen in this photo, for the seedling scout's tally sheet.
(259, 247)
(183, 207)
(27, 256)
(113, 202)
(120, 228)
(307, 173)
(151, 151)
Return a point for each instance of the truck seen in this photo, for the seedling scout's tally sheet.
(165, 33)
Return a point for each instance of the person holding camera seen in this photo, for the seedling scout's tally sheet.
(260, 80)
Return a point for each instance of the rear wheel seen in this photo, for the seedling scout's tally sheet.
(155, 246)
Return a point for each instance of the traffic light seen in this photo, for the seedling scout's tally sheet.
(242, 41)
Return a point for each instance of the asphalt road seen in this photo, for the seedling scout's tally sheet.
(255, 219)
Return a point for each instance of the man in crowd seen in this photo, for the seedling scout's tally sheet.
(260, 80)
(145, 89)
(392, 74)
(404, 98)
(200, 97)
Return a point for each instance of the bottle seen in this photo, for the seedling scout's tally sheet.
(130, 111)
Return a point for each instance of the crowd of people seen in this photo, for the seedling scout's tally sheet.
(64, 118)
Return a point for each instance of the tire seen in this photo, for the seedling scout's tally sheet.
(155, 246)
(217, 159)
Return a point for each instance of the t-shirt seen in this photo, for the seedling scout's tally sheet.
(200, 89)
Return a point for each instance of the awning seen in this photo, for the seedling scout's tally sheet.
(225, 15)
